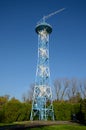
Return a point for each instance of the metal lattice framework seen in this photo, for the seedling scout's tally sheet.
(42, 107)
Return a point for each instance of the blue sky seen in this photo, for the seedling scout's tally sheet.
(18, 42)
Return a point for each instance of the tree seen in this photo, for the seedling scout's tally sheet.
(57, 87)
(27, 97)
(73, 90)
(11, 110)
(4, 99)
(66, 83)
(61, 86)
(83, 89)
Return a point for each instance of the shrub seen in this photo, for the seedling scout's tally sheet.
(12, 110)
(64, 110)
(83, 110)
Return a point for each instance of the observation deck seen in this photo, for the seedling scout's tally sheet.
(43, 26)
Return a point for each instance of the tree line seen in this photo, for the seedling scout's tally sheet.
(63, 89)
(69, 102)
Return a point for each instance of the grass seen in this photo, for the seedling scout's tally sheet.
(39, 125)
(59, 127)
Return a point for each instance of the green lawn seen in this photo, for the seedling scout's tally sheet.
(27, 125)
(59, 127)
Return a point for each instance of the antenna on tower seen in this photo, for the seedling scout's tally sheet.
(51, 14)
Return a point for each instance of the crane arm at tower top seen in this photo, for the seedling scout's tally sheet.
(56, 12)
(51, 14)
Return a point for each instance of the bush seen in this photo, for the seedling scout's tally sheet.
(64, 110)
(83, 110)
(16, 111)
(1, 114)
(24, 112)
(12, 109)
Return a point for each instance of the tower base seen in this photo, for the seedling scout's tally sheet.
(42, 114)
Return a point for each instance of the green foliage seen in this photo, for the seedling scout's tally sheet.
(64, 110)
(3, 99)
(24, 112)
(13, 110)
(83, 110)
(1, 114)
(16, 111)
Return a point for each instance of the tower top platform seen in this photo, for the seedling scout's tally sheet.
(43, 26)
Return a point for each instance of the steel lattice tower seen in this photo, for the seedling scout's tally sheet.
(42, 106)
